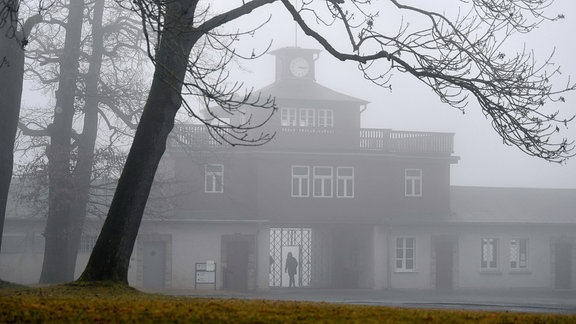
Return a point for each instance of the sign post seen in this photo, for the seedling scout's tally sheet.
(206, 273)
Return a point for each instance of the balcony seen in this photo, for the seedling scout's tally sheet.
(387, 140)
(377, 140)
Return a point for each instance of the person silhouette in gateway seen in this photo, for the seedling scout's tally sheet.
(292, 268)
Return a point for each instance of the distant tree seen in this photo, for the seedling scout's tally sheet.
(455, 57)
(93, 73)
(13, 39)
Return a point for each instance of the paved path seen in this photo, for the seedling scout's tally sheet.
(542, 301)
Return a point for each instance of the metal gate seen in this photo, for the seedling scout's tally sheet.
(296, 241)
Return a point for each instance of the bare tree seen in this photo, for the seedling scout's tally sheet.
(13, 39)
(94, 83)
(462, 57)
(456, 58)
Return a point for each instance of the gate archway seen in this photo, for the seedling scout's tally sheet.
(297, 241)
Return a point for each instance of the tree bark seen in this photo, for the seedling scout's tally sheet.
(11, 78)
(58, 265)
(111, 255)
(87, 141)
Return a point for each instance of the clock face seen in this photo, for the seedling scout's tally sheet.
(299, 67)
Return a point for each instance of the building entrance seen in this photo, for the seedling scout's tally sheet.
(444, 253)
(154, 264)
(297, 243)
(238, 261)
(563, 265)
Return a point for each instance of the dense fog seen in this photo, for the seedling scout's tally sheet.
(366, 194)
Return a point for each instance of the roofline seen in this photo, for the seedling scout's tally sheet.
(295, 49)
(510, 188)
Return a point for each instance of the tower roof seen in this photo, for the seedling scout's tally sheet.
(294, 51)
(307, 90)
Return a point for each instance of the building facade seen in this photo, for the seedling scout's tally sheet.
(356, 207)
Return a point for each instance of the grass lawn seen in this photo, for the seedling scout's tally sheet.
(114, 304)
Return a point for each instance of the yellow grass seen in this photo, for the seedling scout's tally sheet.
(118, 304)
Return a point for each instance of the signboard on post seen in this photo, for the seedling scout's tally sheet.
(206, 273)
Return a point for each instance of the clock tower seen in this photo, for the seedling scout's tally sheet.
(295, 63)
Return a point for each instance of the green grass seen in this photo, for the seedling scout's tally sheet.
(119, 304)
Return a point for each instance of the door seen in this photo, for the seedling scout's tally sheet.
(236, 272)
(444, 264)
(563, 265)
(154, 264)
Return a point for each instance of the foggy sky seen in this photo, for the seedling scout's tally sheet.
(485, 160)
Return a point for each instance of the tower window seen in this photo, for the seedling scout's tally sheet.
(325, 118)
(288, 116)
(307, 117)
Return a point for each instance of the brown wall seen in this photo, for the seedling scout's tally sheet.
(257, 185)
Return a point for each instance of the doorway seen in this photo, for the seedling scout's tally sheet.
(238, 260)
(154, 264)
(563, 265)
(293, 251)
(444, 257)
(297, 241)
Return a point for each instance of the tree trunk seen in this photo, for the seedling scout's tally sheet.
(111, 255)
(83, 171)
(11, 78)
(58, 265)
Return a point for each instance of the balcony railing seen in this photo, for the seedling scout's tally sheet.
(387, 140)
(306, 130)
(192, 136)
(371, 139)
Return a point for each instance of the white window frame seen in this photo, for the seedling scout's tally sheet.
(325, 118)
(405, 255)
(307, 117)
(288, 116)
(322, 183)
(413, 182)
(211, 178)
(300, 181)
(345, 182)
(519, 254)
(489, 254)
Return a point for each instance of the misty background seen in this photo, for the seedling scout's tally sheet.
(484, 159)
(410, 105)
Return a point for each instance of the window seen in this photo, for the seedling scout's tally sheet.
(306, 117)
(519, 254)
(322, 181)
(489, 251)
(325, 118)
(345, 182)
(300, 181)
(405, 249)
(413, 182)
(213, 178)
(288, 116)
